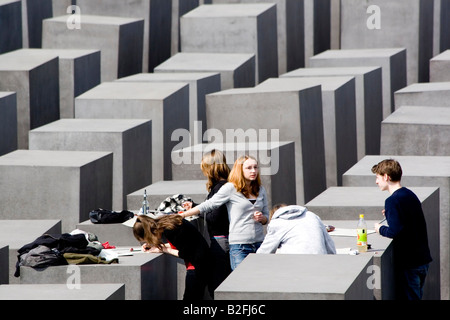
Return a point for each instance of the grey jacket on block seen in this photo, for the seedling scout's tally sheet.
(294, 229)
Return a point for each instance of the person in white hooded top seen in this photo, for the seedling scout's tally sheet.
(295, 229)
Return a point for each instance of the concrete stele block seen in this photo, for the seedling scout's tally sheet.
(8, 122)
(4, 264)
(79, 71)
(381, 250)
(119, 40)
(85, 291)
(157, 24)
(10, 25)
(147, 276)
(392, 62)
(64, 185)
(298, 277)
(417, 130)
(439, 67)
(339, 120)
(348, 202)
(424, 94)
(290, 31)
(275, 158)
(33, 75)
(157, 192)
(369, 104)
(237, 70)
(418, 171)
(128, 139)
(166, 104)
(200, 84)
(33, 13)
(231, 28)
(17, 233)
(401, 23)
(295, 114)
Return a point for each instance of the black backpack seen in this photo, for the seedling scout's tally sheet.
(109, 216)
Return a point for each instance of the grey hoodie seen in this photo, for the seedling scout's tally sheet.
(294, 229)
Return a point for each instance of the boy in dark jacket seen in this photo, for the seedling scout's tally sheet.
(407, 226)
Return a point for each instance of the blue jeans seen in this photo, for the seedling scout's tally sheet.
(238, 252)
(414, 279)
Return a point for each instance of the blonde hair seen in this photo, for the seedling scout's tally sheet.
(237, 177)
(214, 167)
(150, 230)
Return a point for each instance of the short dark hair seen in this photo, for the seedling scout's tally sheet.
(390, 167)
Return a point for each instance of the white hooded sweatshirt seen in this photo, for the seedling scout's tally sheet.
(294, 229)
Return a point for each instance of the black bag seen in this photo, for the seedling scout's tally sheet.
(109, 216)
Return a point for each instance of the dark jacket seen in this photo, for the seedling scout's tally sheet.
(217, 220)
(407, 227)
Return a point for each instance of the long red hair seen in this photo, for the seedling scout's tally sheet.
(237, 178)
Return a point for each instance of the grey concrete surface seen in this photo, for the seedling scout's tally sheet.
(298, 277)
(8, 122)
(368, 99)
(125, 138)
(237, 70)
(424, 94)
(400, 131)
(34, 76)
(439, 66)
(295, 114)
(66, 185)
(391, 60)
(166, 104)
(120, 41)
(17, 233)
(234, 28)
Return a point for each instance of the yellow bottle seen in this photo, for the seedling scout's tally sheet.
(361, 231)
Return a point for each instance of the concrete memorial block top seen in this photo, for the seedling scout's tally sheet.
(49, 184)
(339, 120)
(440, 66)
(33, 75)
(86, 291)
(424, 94)
(236, 69)
(417, 130)
(295, 114)
(147, 276)
(347, 203)
(157, 192)
(200, 84)
(298, 277)
(119, 39)
(381, 249)
(128, 139)
(387, 24)
(166, 104)
(369, 104)
(290, 29)
(392, 62)
(231, 28)
(79, 71)
(156, 15)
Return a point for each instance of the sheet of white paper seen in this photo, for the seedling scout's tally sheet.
(346, 232)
